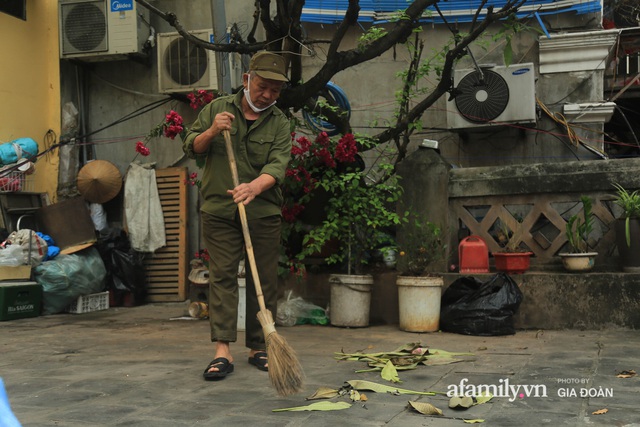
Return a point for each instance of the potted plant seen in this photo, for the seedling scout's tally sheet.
(359, 213)
(627, 228)
(578, 230)
(307, 188)
(422, 257)
(512, 258)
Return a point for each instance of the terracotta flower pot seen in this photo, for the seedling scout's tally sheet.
(512, 262)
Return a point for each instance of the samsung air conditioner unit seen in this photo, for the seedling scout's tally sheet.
(497, 96)
(102, 30)
(183, 66)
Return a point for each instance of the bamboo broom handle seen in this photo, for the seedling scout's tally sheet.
(243, 221)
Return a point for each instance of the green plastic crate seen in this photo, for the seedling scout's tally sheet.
(19, 300)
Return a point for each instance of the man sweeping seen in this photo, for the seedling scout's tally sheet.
(261, 140)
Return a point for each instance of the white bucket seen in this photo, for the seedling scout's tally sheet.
(350, 300)
(419, 303)
(242, 303)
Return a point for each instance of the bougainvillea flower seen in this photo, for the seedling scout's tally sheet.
(142, 149)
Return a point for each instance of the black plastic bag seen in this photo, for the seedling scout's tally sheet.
(125, 268)
(471, 307)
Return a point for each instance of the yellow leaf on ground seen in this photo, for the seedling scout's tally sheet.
(381, 388)
(390, 373)
(473, 421)
(600, 411)
(318, 406)
(483, 398)
(323, 393)
(425, 408)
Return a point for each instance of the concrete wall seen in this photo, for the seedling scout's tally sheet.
(30, 85)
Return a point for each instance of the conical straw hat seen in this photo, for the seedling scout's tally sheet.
(99, 181)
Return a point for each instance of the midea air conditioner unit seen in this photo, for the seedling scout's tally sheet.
(184, 66)
(499, 95)
(100, 30)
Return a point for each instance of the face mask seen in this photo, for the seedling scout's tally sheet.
(247, 96)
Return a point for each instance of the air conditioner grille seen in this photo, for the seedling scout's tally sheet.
(185, 62)
(482, 100)
(85, 27)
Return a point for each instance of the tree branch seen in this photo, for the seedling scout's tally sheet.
(445, 82)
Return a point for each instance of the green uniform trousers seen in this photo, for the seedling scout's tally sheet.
(224, 240)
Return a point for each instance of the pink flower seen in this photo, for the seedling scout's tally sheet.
(173, 125)
(192, 180)
(142, 149)
(290, 214)
(346, 150)
(199, 98)
(323, 139)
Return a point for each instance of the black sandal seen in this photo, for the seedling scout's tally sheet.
(224, 368)
(259, 360)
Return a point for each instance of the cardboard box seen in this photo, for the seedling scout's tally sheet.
(19, 300)
(20, 272)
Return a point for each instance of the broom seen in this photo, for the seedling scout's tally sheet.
(285, 371)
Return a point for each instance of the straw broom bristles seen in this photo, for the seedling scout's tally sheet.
(285, 371)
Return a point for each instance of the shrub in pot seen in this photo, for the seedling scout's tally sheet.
(421, 258)
(359, 212)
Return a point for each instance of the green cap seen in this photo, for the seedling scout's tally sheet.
(269, 65)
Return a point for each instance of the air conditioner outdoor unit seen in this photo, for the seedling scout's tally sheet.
(183, 66)
(101, 30)
(498, 96)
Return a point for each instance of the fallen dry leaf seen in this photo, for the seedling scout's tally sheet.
(627, 374)
(483, 398)
(323, 393)
(363, 397)
(600, 411)
(390, 373)
(354, 395)
(425, 408)
(476, 421)
(380, 388)
(318, 406)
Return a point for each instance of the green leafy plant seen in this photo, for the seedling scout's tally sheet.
(630, 204)
(307, 188)
(421, 248)
(358, 214)
(578, 230)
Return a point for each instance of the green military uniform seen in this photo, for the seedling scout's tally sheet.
(261, 147)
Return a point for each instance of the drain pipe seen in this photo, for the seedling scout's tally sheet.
(220, 34)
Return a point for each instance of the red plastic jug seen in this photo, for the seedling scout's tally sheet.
(473, 255)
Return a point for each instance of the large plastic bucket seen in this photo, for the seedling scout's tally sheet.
(419, 303)
(350, 300)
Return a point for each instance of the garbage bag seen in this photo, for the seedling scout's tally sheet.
(125, 268)
(12, 256)
(33, 246)
(471, 307)
(296, 311)
(68, 277)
